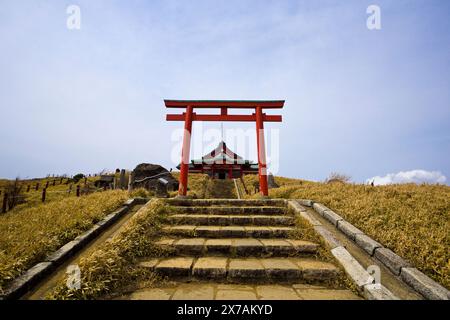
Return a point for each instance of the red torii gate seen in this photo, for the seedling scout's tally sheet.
(189, 115)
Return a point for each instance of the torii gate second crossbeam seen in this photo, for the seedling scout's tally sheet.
(258, 116)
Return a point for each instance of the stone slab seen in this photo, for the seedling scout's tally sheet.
(348, 229)
(246, 268)
(192, 245)
(210, 267)
(316, 270)
(332, 217)
(64, 252)
(276, 292)
(319, 208)
(308, 217)
(327, 294)
(195, 292)
(305, 202)
(150, 264)
(301, 246)
(331, 241)
(235, 295)
(367, 243)
(426, 286)
(392, 261)
(247, 246)
(281, 268)
(218, 245)
(378, 292)
(179, 266)
(353, 268)
(152, 294)
(23, 283)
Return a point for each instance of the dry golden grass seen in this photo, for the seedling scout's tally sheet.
(197, 184)
(28, 235)
(412, 220)
(113, 265)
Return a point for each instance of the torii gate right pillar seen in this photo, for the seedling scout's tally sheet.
(262, 164)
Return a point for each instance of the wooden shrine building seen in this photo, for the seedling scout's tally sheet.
(222, 163)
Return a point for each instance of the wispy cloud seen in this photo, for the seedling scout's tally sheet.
(412, 176)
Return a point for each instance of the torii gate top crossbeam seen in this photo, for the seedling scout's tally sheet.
(224, 105)
(235, 104)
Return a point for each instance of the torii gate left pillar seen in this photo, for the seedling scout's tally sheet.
(259, 117)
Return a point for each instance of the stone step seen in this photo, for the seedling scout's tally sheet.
(248, 210)
(205, 290)
(230, 220)
(226, 202)
(228, 231)
(239, 246)
(243, 269)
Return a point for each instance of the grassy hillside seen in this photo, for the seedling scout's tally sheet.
(28, 235)
(412, 220)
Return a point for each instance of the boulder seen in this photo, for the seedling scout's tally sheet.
(147, 175)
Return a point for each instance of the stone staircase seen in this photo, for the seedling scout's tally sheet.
(237, 241)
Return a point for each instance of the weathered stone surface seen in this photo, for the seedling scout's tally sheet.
(246, 268)
(367, 243)
(150, 264)
(64, 252)
(318, 294)
(308, 217)
(332, 216)
(194, 292)
(233, 232)
(306, 203)
(276, 292)
(152, 294)
(281, 232)
(301, 246)
(241, 220)
(281, 268)
(292, 204)
(328, 237)
(259, 232)
(272, 220)
(277, 247)
(21, 284)
(303, 286)
(235, 295)
(247, 246)
(316, 270)
(193, 219)
(218, 245)
(378, 292)
(210, 231)
(179, 266)
(392, 261)
(320, 208)
(107, 220)
(348, 229)
(427, 287)
(180, 230)
(191, 246)
(354, 270)
(210, 267)
(165, 242)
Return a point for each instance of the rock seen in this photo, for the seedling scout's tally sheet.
(328, 237)
(331, 216)
(427, 287)
(146, 176)
(319, 208)
(392, 261)
(354, 270)
(271, 181)
(367, 243)
(377, 291)
(348, 229)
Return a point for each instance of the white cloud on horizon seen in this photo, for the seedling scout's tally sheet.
(412, 176)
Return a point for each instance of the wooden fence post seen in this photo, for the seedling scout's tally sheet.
(54, 182)
(46, 185)
(5, 202)
(28, 188)
(78, 190)
(44, 193)
(37, 186)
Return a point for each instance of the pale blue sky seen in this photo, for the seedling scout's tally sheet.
(365, 103)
